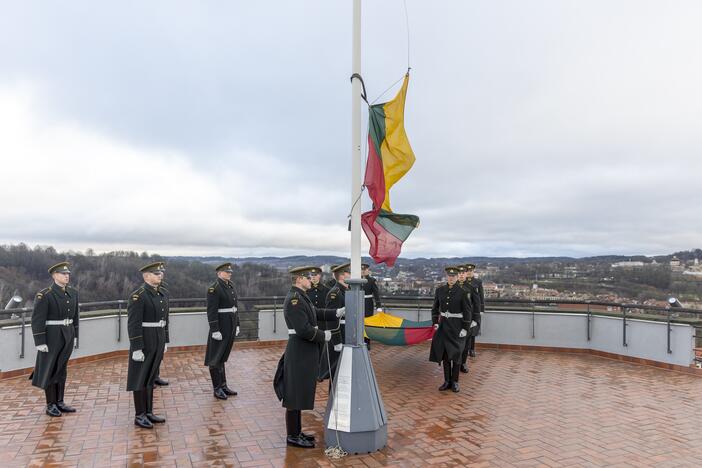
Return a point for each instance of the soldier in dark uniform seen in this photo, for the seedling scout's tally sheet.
(371, 295)
(475, 305)
(331, 281)
(336, 298)
(477, 316)
(55, 330)
(147, 324)
(223, 320)
(451, 316)
(296, 377)
(318, 292)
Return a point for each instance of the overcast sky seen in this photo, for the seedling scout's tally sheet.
(223, 127)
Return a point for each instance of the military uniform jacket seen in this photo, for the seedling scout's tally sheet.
(300, 362)
(475, 303)
(336, 299)
(146, 304)
(477, 283)
(221, 295)
(54, 303)
(318, 295)
(371, 294)
(456, 301)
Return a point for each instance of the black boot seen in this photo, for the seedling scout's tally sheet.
(226, 389)
(293, 422)
(447, 376)
(217, 383)
(160, 382)
(60, 389)
(51, 408)
(150, 407)
(140, 418)
(454, 377)
(464, 368)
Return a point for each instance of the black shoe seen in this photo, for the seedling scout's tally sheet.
(298, 441)
(464, 368)
(229, 391)
(142, 421)
(155, 419)
(219, 394)
(65, 408)
(53, 410)
(454, 387)
(445, 386)
(309, 437)
(472, 353)
(161, 382)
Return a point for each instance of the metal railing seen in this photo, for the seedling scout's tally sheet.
(15, 317)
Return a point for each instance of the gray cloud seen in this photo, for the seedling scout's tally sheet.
(540, 128)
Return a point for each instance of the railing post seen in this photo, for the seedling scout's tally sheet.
(670, 351)
(275, 312)
(624, 325)
(119, 321)
(22, 333)
(533, 322)
(589, 318)
(419, 316)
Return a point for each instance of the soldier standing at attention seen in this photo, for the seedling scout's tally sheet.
(318, 292)
(223, 320)
(55, 331)
(477, 316)
(371, 295)
(147, 324)
(336, 298)
(451, 316)
(475, 306)
(297, 383)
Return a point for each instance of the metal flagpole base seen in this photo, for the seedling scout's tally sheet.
(355, 417)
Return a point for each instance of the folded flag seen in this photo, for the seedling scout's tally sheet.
(396, 331)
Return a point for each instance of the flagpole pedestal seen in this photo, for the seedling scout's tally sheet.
(355, 417)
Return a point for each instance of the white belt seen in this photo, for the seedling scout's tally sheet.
(291, 331)
(368, 296)
(224, 311)
(343, 322)
(450, 315)
(159, 324)
(65, 322)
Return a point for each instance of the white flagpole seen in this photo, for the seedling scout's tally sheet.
(356, 145)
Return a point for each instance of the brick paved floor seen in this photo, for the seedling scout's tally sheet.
(515, 409)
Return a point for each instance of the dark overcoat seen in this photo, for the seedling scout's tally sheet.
(454, 300)
(54, 303)
(221, 295)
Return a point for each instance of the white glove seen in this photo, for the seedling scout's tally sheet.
(340, 312)
(338, 347)
(75, 342)
(217, 336)
(473, 324)
(237, 330)
(463, 333)
(138, 356)
(165, 347)
(327, 335)
(379, 309)
(42, 348)
(436, 326)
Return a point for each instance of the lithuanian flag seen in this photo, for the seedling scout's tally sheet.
(390, 156)
(396, 331)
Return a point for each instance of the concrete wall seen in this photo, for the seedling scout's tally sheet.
(645, 339)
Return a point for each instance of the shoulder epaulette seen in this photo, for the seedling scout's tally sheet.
(135, 295)
(213, 286)
(41, 293)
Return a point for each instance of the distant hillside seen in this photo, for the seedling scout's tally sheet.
(114, 275)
